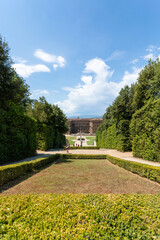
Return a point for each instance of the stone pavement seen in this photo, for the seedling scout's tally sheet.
(123, 155)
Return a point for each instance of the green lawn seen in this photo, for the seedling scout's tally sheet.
(84, 176)
(91, 140)
(81, 209)
(70, 139)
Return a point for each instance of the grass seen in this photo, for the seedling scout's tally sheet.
(78, 216)
(70, 139)
(32, 210)
(84, 176)
(91, 140)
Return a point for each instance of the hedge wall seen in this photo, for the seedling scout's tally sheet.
(145, 131)
(48, 137)
(14, 171)
(80, 216)
(17, 136)
(144, 170)
(115, 137)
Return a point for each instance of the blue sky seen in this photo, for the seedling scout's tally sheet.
(80, 53)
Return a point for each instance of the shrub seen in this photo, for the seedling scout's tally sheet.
(144, 170)
(80, 216)
(82, 156)
(18, 135)
(145, 131)
(12, 172)
(90, 147)
(48, 137)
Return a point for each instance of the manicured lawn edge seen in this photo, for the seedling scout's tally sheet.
(89, 147)
(82, 156)
(14, 171)
(144, 170)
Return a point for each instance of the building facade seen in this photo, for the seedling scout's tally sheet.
(84, 125)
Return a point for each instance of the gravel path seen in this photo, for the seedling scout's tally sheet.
(123, 155)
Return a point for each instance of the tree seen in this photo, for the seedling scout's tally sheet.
(148, 85)
(47, 113)
(13, 89)
(60, 119)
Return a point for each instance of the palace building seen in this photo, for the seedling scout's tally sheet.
(84, 125)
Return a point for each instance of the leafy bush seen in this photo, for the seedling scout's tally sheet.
(144, 170)
(82, 156)
(18, 135)
(145, 131)
(89, 147)
(12, 172)
(48, 137)
(80, 216)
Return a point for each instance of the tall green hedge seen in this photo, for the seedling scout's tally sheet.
(145, 131)
(17, 135)
(115, 137)
(49, 137)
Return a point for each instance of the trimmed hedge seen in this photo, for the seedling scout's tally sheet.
(45, 136)
(115, 137)
(48, 137)
(94, 147)
(17, 135)
(14, 171)
(145, 131)
(144, 170)
(80, 216)
(81, 156)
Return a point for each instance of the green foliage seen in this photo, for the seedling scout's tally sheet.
(80, 216)
(148, 86)
(13, 89)
(49, 114)
(18, 135)
(144, 170)
(48, 137)
(14, 171)
(51, 122)
(145, 131)
(108, 138)
(114, 131)
(82, 156)
(45, 136)
(86, 147)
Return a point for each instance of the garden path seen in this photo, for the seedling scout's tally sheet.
(112, 152)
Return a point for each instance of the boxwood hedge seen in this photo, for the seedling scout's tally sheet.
(144, 170)
(11, 172)
(94, 147)
(14, 171)
(80, 216)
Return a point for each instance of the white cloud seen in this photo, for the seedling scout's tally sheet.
(151, 48)
(36, 93)
(19, 59)
(95, 91)
(26, 70)
(116, 55)
(58, 61)
(149, 56)
(134, 61)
